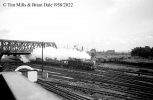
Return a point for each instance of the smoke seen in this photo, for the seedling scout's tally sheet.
(53, 53)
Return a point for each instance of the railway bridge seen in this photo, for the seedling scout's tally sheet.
(17, 47)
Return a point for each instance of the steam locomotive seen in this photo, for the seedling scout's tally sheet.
(70, 63)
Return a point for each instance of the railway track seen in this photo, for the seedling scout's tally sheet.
(135, 87)
(63, 93)
(130, 91)
(150, 73)
(110, 74)
(109, 77)
(96, 78)
(82, 89)
(125, 75)
(91, 91)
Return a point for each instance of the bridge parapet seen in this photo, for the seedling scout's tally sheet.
(17, 46)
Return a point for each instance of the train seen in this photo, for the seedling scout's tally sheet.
(69, 63)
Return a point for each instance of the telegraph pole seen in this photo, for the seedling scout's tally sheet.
(42, 57)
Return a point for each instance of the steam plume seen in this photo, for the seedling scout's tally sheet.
(53, 53)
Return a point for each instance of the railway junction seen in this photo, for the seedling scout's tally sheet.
(75, 84)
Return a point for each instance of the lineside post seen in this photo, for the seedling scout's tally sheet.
(42, 57)
(44, 74)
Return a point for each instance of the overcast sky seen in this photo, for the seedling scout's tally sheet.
(101, 24)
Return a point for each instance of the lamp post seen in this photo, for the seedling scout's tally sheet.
(42, 55)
